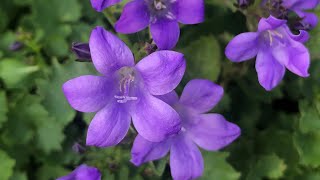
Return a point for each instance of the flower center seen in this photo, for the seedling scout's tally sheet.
(160, 9)
(273, 37)
(127, 77)
(159, 5)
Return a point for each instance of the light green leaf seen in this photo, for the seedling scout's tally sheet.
(50, 136)
(51, 90)
(203, 58)
(308, 146)
(216, 167)
(6, 166)
(15, 73)
(310, 118)
(267, 166)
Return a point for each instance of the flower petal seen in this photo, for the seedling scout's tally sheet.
(186, 161)
(302, 37)
(300, 4)
(212, 132)
(270, 71)
(100, 5)
(308, 18)
(144, 150)
(270, 23)
(190, 11)
(171, 98)
(154, 119)
(88, 93)
(165, 33)
(108, 52)
(83, 172)
(162, 71)
(108, 127)
(299, 59)
(135, 17)
(243, 47)
(201, 95)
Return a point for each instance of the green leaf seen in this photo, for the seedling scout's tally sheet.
(51, 172)
(25, 114)
(50, 136)
(310, 118)
(19, 176)
(267, 166)
(203, 58)
(6, 166)
(51, 89)
(308, 146)
(15, 73)
(4, 108)
(216, 167)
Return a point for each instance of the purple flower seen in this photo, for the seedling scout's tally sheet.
(83, 172)
(100, 5)
(276, 48)
(163, 17)
(126, 90)
(209, 131)
(300, 7)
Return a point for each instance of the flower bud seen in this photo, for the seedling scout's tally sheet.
(82, 51)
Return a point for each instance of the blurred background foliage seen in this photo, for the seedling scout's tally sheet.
(42, 138)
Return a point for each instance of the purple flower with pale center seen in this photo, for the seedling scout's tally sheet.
(300, 7)
(83, 172)
(162, 16)
(126, 91)
(209, 131)
(276, 49)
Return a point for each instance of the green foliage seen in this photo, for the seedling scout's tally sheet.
(280, 129)
(6, 166)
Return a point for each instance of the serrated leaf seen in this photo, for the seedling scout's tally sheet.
(51, 172)
(310, 118)
(308, 146)
(203, 58)
(49, 136)
(267, 166)
(6, 166)
(15, 73)
(51, 89)
(216, 167)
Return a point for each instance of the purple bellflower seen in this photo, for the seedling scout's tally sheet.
(300, 7)
(126, 91)
(162, 16)
(276, 49)
(209, 131)
(83, 172)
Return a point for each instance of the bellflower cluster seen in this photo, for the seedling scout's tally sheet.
(276, 49)
(209, 131)
(126, 91)
(163, 16)
(83, 172)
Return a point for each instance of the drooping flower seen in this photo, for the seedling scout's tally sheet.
(83, 172)
(300, 7)
(126, 90)
(100, 5)
(280, 8)
(209, 131)
(162, 16)
(276, 49)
